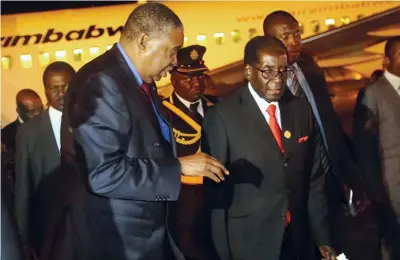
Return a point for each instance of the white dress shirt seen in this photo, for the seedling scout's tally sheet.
(263, 105)
(55, 119)
(393, 80)
(187, 104)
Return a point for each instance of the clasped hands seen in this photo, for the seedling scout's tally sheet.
(203, 165)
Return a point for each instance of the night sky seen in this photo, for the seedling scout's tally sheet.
(14, 7)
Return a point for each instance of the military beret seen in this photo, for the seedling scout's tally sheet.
(190, 59)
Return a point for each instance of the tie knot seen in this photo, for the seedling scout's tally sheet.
(194, 106)
(271, 110)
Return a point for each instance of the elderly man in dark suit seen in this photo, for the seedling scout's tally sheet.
(38, 154)
(272, 205)
(377, 145)
(123, 148)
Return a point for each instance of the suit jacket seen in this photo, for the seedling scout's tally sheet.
(8, 134)
(377, 142)
(37, 156)
(344, 169)
(263, 182)
(127, 172)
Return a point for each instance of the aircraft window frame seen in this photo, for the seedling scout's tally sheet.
(61, 55)
(77, 55)
(6, 62)
(252, 32)
(44, 58)
(345, 20)
(219, 38)
(94, 53)
(301, 26)
(201, 38)
(330, 23)
(316, 26)
(236, 36)
(26, 61)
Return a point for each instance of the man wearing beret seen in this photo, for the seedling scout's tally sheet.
(187, 106)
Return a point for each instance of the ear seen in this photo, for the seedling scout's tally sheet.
(386, 62)
(143, 41)
(248, 71)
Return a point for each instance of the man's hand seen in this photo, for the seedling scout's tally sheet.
(3, 148)
(201, 164)
(328, 253)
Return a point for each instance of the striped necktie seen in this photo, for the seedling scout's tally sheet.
(294, 84)
(325, 160)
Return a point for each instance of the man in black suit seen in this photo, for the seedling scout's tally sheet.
(38, 154)
(29, 105)
(187, 105)
(123, 148)
(272, 205)
(339, 164)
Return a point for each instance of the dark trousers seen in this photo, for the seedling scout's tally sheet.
(191, 224)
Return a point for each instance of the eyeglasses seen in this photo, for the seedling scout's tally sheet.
(271, 73)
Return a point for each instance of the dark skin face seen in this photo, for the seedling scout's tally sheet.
(189, 87)
(29, 107)
(288, 32)
(392, 63)
(154, 55)
(269, 85)
(56, 85)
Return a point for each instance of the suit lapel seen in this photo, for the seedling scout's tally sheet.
(391, 93)
(50, 142)
(254, 118)
(287, 120)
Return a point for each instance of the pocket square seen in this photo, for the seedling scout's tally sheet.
(303, 139)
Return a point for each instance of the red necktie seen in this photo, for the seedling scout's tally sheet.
(276, 131)
(146, 91)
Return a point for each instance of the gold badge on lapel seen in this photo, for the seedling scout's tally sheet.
(287, 134)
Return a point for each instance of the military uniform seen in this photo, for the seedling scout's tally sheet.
(190, 220)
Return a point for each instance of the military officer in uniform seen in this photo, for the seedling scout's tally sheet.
(187, 106)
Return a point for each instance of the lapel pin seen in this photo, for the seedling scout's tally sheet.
(287, 134)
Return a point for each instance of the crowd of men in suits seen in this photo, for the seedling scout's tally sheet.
(109, 170)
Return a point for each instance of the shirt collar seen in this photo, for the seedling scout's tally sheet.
(20, 120)
(185, 102)
(128, 61)
(262, 103)
(54, 113)
(393, 79)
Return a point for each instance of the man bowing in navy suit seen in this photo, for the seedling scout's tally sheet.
(123, 147)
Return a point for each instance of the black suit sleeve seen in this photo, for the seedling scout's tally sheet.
(366, 142)
(23, 184)
(104, 137)
(317, 203)
(214, 142)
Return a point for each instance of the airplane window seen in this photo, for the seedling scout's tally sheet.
(235, 35)
(185, 41)
(6, 62)
(252, 32)
(78, 55)
(219, 38)
(26, 61)
(301, 28)
(44, 58)
(330, 22)
(61, 55)
(109, 47)
(315, 25)
(94, 51)
(201, 38)
(345, 20)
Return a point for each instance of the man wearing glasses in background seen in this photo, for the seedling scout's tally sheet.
(187, 106)
(272, 205)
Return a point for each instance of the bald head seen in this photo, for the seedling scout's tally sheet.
(29, 104)
(284, 26)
